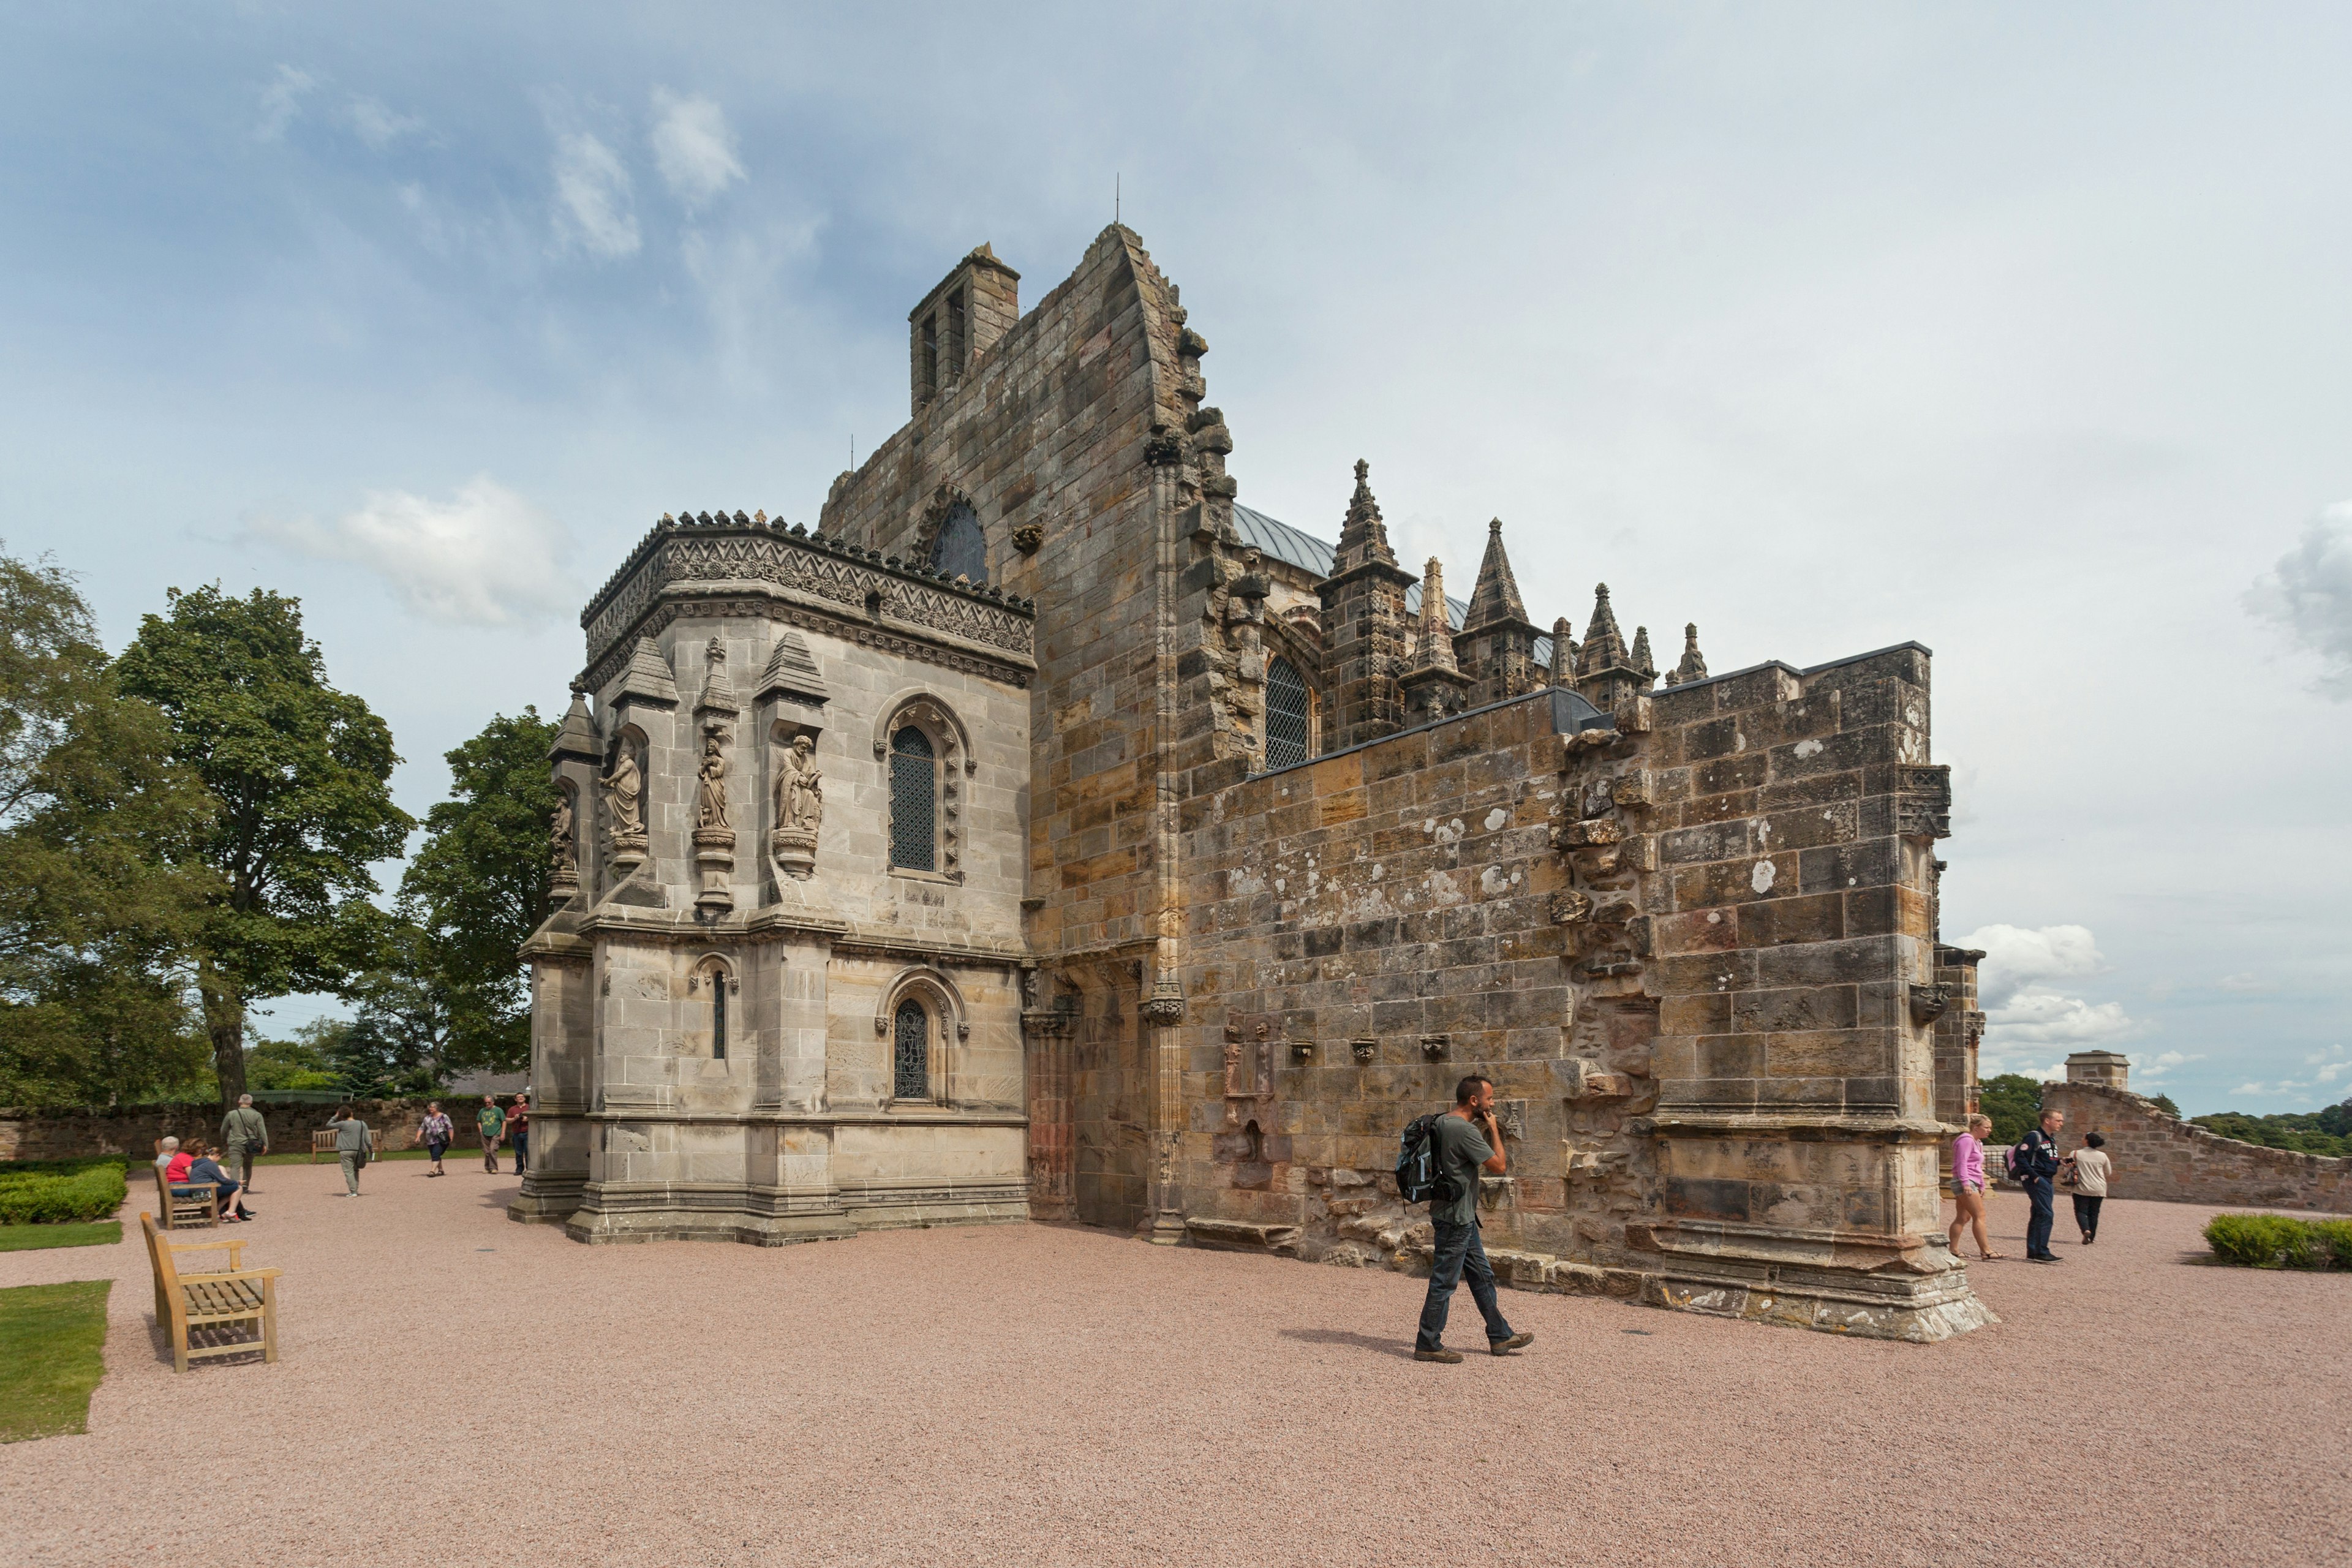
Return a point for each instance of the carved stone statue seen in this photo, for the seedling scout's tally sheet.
(712, 809)
(800, 788)
(623, 792)
(558, 837)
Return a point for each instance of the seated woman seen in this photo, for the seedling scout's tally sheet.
(181, 1156)
(203, 1167)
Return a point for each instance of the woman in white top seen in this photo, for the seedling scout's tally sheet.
(2086, 1171)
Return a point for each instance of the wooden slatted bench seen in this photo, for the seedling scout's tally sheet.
(322, 1141)
(210, 1307)
(186, 1204)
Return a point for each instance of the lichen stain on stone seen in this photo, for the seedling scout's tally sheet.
(1761, 878)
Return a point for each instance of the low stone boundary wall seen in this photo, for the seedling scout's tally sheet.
(2161, 1156)
(132, 1131)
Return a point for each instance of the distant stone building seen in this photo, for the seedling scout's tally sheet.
(1048, 833)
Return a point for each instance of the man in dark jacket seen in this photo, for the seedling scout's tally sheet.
(1468, 1144)
(2037, 1164)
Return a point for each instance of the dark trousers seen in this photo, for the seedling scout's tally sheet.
(2087, 1215)
(1459, 1252)
(2045, 1215)
(521, 1141)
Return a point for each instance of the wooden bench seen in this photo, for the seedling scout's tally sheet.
(208, 1306)
(323, 1142)
(186, 1204)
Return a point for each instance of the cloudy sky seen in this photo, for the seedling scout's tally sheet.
(2020, 331)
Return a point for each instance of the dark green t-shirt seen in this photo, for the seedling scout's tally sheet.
(1461, 1150)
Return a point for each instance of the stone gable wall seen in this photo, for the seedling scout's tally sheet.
(2161, 1156)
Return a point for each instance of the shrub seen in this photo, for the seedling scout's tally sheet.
(2274, 1241)
(41, 1197)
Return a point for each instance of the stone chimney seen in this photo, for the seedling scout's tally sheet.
(2111, 1069)
(974, 305)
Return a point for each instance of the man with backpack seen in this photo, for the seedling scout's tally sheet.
(2032, 1164)
(1462, 1144)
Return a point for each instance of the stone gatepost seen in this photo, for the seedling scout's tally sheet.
(2111, 1069)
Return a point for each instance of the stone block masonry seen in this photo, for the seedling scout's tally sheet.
(2161, 1156)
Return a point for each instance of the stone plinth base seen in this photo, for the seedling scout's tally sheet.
(547, 1198)
(658, 1212)
(1241, 1236)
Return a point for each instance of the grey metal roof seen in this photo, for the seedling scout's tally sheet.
(1278, 538)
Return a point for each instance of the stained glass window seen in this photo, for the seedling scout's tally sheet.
(910, 1077)
(914, 802)
(962, 550)
(1287, 710)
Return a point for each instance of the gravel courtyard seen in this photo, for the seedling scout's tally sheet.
(458, 1388)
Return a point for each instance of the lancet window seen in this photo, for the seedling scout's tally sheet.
(914, 802)
(1289, 716)
(910, 1052)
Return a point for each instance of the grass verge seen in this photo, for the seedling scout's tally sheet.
(52, 1353)
(34, 1237)
(327, 1162)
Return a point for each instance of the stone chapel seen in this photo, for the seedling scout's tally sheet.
(1044, 833)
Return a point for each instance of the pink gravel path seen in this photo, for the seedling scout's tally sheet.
(456, 1388)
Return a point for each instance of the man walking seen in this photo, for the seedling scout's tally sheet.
(245, 1137)
(492, 1121)
(2037, 1163)
(519, 1132)
(355, 1143)
(1468, 1142)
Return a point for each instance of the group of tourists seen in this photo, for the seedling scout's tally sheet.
(189, 1165)
(2036, 1165)
(355, 1142)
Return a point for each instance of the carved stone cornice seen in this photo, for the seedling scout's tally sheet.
(861, 586)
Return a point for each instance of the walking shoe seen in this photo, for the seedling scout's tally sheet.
(1449, 1357)
(2043, 1258)
(1505, 1347)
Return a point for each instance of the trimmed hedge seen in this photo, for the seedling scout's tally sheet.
(2274, 1241)
(51, 1197)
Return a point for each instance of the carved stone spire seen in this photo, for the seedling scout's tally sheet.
(1563, 653)
(1435, 685)
(577, 737)
(1497, 596)
(1641, 661)
(1363, 537)
(1694, 664)
(1604, 645)
(1435, 650)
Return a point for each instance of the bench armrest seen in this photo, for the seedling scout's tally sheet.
(231, 1274)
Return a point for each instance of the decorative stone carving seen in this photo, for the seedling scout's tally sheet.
(1923, 803)
(710, 799)
(625, 811)
(1028, 537)
(563, 852)
(1165, 1006)
(1928, 1002)
(1434, 1046)
(800, 811)
(1365, 1049)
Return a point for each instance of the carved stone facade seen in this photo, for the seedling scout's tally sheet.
(1217, 853)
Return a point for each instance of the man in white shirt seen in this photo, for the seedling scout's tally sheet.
(2091, 1168)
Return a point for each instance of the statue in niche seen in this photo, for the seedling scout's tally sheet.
(623, 792)
(712, 811)
(559, 836)
(800, 788)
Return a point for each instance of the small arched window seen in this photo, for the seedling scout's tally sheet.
(718, 1017)
(914, 802)
(962, 550)
(910, 1052)
(1289, 715)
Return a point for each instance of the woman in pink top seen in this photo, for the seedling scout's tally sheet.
(1969, 1184)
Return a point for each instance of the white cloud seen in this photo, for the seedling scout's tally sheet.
(377, 125)
(693, 147)
(2027, 1016)
(282, 101)
(593, 193)
(485, 557)
(2243, 981)
(2151, 1069)
(2309, 592)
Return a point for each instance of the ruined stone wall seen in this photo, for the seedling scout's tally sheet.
(1048, 437)
(1695, 952)
(134, 1129)
(2161, 1156)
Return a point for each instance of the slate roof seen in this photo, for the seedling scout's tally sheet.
(1283, 542)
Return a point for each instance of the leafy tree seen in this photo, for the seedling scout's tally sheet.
(298, 771)
(475, 888)
(2327, 1132)
(2013, 1101)
(2164, 1102)
(296, 1063)
(101, 889)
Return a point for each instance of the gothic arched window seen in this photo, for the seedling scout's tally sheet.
(1289, 715)
(914, 802)
(910, 1052)
(962, 550)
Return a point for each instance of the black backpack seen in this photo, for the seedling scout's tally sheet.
(1419, 1178)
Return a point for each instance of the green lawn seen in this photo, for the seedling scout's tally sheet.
(32, 1237)
(52, 1353)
